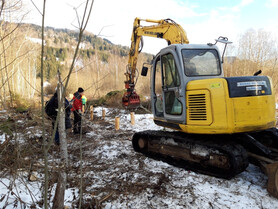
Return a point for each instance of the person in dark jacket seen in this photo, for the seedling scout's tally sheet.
(52, 111)
(77, 110)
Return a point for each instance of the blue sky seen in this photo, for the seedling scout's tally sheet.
(244, 13)
(203, 20)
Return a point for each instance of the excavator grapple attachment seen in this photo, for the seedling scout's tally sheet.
(131, 100)
(272, 184)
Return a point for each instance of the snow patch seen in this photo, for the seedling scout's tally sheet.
(200, 151)
(2, 138)
(169, 141)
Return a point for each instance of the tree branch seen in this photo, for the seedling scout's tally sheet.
(36, 7)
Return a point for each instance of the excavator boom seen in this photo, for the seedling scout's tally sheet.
(166, 29)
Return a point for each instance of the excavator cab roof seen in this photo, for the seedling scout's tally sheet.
(190, 46)
(193, 57)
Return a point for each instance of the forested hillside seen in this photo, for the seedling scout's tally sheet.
(100, 64)
(99, 68)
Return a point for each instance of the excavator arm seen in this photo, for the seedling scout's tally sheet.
(166, 29)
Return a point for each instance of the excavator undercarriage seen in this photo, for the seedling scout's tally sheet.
(222, 156)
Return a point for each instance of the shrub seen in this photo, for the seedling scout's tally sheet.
(21, 104)
(111, 99)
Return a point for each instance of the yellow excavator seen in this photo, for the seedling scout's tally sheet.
(219, 124)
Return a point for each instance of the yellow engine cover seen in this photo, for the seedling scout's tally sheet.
(210, 109)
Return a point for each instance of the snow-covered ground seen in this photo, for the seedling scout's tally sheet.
(118, 177)
(182, 188)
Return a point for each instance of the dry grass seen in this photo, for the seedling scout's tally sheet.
(98, 78)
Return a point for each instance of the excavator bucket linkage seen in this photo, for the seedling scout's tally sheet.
(263, 151)
(270, 168)
(272, 173)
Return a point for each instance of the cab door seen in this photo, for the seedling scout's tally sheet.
(173, 92)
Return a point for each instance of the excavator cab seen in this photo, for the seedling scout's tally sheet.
(189, 93)
(173, 68)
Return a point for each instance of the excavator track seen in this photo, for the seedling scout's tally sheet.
(214, 155)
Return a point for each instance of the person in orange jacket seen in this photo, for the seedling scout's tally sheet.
(77, 110)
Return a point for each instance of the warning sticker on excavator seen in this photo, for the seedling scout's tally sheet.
(253, 88)
(215, 85)
(252, 83)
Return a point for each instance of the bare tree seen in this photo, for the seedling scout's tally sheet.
(45, 150)
(62, 175)
(61, 185)
(14, 48)
(255, 49)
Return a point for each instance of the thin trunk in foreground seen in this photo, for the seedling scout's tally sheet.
(62, 174)
(43, 118)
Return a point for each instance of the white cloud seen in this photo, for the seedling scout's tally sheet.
(212, 28)
(206, 26)
(271, 3)
(243, 3)
(122, 18)
(220, 21)
(272, 26)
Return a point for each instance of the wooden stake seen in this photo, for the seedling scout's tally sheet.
(117, 123)
(103, 114)
(132, 118)
(92, 112)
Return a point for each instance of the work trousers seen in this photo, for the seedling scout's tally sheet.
(76, 122)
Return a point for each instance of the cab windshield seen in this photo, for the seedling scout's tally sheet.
(201, 62)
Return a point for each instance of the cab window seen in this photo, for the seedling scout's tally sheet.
(171, 80)
(170, 72)
(158, 90)
(201, 62)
